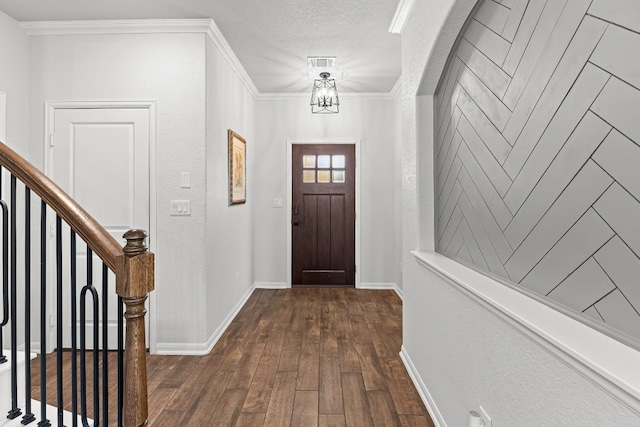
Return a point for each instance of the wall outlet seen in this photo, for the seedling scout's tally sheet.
(485, 420)
(180, 207)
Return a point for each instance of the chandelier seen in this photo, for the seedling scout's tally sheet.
(324, 97)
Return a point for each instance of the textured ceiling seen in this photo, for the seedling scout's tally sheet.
(271, 38)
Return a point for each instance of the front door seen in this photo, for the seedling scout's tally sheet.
(323, 216)
(100, 157)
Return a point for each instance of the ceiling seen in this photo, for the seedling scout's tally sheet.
(271, 38)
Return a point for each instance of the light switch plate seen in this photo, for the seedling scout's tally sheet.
(277, 202)
(185, 179)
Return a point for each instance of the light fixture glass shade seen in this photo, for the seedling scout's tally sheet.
(324, 97)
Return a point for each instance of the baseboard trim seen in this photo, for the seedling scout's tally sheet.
(270, 285)
(381, 285)
(426, 397)
(201, 349)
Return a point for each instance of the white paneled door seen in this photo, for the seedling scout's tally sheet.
(100, 156)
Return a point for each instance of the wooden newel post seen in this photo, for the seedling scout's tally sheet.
(133, 284)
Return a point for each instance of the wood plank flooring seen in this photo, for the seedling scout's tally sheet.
(294, 357)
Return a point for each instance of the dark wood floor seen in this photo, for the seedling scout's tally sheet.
(294, 357)
(299, 357)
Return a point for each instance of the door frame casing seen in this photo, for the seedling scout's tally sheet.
(322, 141)
(150, 105)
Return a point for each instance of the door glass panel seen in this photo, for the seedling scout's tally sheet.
(338, 176)
(309, 176)
(324, 162)
(338, 161)
(309, 161)
(324, 176)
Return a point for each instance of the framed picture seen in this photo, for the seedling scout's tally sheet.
(237, 169)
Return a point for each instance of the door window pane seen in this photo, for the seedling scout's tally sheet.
(338, 176)
(338, 161)
(324, 162)
(309, 161)
(309, 176)
(324, 176)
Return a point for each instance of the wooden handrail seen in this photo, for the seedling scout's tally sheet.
(100, 241)
(133, 266)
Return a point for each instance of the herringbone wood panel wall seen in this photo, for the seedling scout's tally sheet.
(538, 152)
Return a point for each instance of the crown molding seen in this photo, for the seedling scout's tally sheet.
(218, 39)
(120, 26)
(402, 13)
(146, 26)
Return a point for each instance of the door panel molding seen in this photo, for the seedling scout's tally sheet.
(150, 105)
(290, 144)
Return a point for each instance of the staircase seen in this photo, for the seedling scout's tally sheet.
(77, 374)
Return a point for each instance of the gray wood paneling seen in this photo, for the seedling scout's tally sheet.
(551, 79)
(617, 312)
(582, 94)
(492, 106)
(487, 191)
(491, 74)
(535, 49)
(494, 263)
(518, 7)
(582, 240)
(493, 16)
(488, 42)
(583, 191)
(449, 183)
(622, 213)
(625, 13)
(563, 168)
(620, 157)
(487, 219)
(587, 284)
(490, 165)
(470, 243)
(623, 267)
(538, 180)
(607, 55)
(619, 104)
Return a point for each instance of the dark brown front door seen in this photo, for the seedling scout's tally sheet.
(323, 217)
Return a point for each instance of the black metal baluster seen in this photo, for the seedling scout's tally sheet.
(28, 416)
(105, 345)
(15, 411)
(74, 332)
(5, 272)
(44, 422)
(60, 401)
(83, 346)
(120, 361)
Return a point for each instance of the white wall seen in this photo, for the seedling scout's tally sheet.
(229, 229)
(168, 68)
(368, 119)
(479, 359)
(14, 81)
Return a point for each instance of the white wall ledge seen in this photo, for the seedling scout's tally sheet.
(606, 362)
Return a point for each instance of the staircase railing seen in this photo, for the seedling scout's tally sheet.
(133, 266)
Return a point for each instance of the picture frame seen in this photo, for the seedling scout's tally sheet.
(237, 169)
